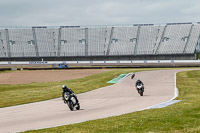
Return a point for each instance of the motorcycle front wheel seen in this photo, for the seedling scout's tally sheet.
(71, 106)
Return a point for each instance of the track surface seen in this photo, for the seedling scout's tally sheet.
(113, 100)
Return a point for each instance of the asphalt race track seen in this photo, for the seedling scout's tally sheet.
(108, 101)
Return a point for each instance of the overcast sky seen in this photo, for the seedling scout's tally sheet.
(96, 12)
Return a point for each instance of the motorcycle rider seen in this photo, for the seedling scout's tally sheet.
(139, 82)
(71, 92)
(133, 75)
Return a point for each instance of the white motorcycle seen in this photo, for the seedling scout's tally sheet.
(140, 89)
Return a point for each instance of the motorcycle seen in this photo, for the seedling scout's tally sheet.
(71, 101)
(140, 89)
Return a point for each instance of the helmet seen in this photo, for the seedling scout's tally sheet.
(64, 86)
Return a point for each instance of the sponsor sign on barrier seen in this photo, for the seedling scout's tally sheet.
(38, 62)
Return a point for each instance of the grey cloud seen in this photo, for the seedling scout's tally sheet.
(96, 12)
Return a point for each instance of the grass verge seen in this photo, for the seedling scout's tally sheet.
(181, 117)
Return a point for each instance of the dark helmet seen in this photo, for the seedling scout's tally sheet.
(64, 87)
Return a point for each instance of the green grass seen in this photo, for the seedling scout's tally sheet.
(178, 118)
(26, 93)
(6, 71)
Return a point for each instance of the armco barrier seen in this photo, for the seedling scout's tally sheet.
(100, 62)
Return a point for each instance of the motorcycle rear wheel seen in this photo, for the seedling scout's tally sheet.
(140, 92)
(78, 107)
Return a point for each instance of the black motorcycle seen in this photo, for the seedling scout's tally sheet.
(71, 101)
(140, 89)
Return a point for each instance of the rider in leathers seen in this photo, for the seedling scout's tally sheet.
(139, 82)
(71, 92)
